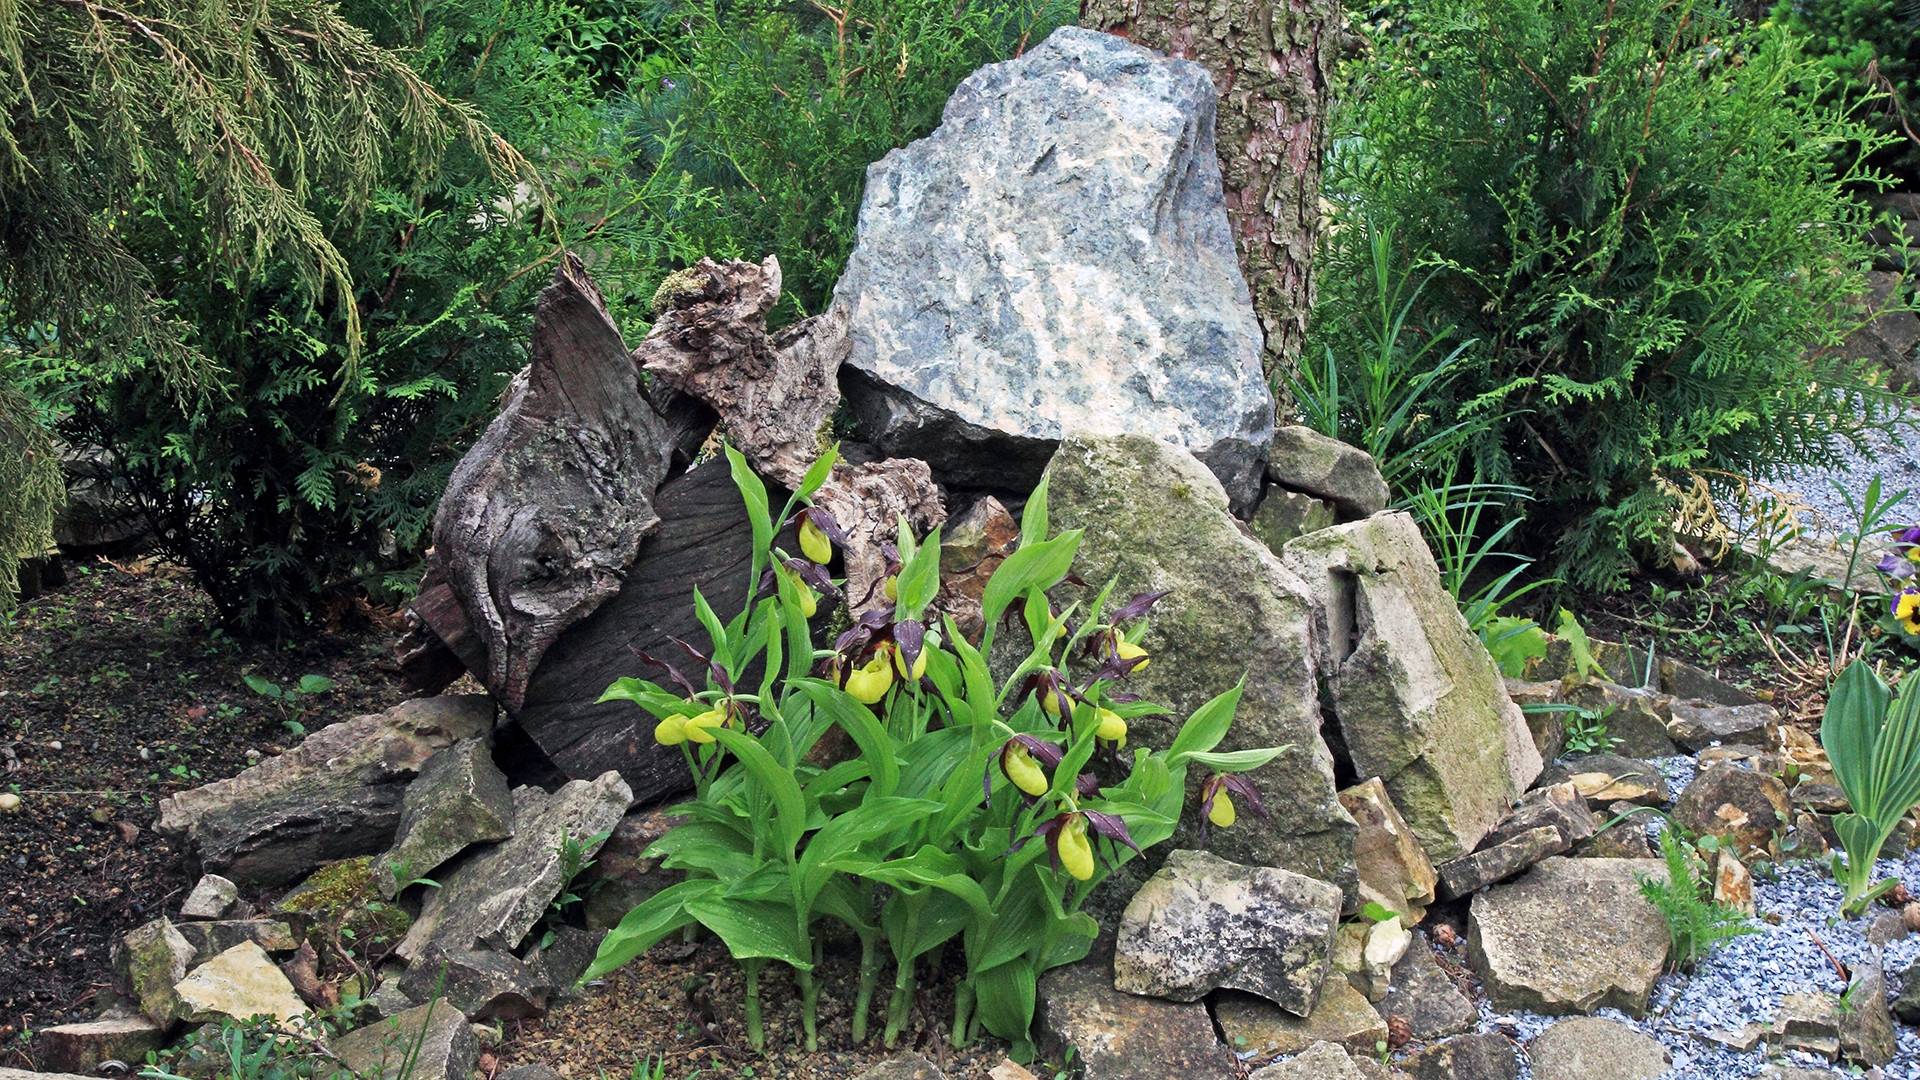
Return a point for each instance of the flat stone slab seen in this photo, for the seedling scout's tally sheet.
(1697, 725)
(1202, 923)
(1465, 1057)
(1592, 1048)
(494, 897)
(459, 798)
(238, 983)
(448, 1050)
(1056, 257)
(1470, 873)
(1570, 936)
(210, 939)
(212, 897)
(1118, 1036)
(1321, 1061)
(77, 1048)
(335, 796)
(1256, 1026)
(1422, 993)
(908, 1066)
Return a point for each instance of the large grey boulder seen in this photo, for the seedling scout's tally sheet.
(494, 897)
(1202, 923)
(335, 796)
(459, 798)
(1154, 519)
(1056, 257)
(1418, 700)
(1592, 1048)
(1571, 936)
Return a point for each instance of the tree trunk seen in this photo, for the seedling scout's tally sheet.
(1270, 63)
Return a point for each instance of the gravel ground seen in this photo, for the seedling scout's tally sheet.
(1894, 457)
(1744, 980)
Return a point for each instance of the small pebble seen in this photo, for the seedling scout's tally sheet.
(9, 803)
(55, 745)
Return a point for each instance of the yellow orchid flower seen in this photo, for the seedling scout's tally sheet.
(871, 681)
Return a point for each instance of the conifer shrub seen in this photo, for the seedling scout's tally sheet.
(1629, 209)
(1872, 47)
(298, 476)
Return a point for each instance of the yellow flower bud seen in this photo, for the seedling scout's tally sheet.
(1222, 813)
(892, 588)
(870, 682)
(814, 543)
(1026, 773)
(1050, 703)
(1112, 727)
(1076, 852)
(1127, 650)
(809, 600)
(671, 731)
(919, 664)
(700, 728)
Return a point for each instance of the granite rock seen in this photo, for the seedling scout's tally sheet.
(1056, 257)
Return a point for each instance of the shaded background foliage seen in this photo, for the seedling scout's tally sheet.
(1627, 214)
(1642, 259)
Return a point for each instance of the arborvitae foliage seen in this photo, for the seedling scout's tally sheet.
(296, 489)
(1628, 207)
(237, 114)
(1873, 49)
(783, 106)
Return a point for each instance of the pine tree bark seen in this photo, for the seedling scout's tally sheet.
(1270, 61)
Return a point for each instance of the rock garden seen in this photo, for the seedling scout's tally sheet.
(974, 679)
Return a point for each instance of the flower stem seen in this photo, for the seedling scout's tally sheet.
(809, 1000)
(900, 1006)
(869, 974)
(756, 1038)
(962, 1012)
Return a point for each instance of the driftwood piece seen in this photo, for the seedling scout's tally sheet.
(704, 541)
(775, 394)
(711, 341)
(546, 511)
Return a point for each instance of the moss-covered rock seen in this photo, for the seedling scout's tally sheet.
(1156, 519)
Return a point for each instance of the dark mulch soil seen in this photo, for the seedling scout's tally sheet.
(114, 692)
(683, 1004)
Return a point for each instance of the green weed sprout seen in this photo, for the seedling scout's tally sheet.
(1696, 923)
(1872, 739)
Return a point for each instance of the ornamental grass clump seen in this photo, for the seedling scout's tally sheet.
(1872, 739)
(926, 835)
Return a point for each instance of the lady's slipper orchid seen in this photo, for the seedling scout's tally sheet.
(900, 662)
(1112, 727)
(671, 731)
(1023, 761)
(1127, 650)
(817, 532)
(1906, 608)
(870, 682)
(1069, 843)
(700, 728)
(1052, 691)
(1216, 804)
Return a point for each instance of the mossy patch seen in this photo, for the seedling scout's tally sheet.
(342, 894)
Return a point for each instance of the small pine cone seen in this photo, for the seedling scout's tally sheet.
(1443, 935)
(1399, 1031)
(1911, 913)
